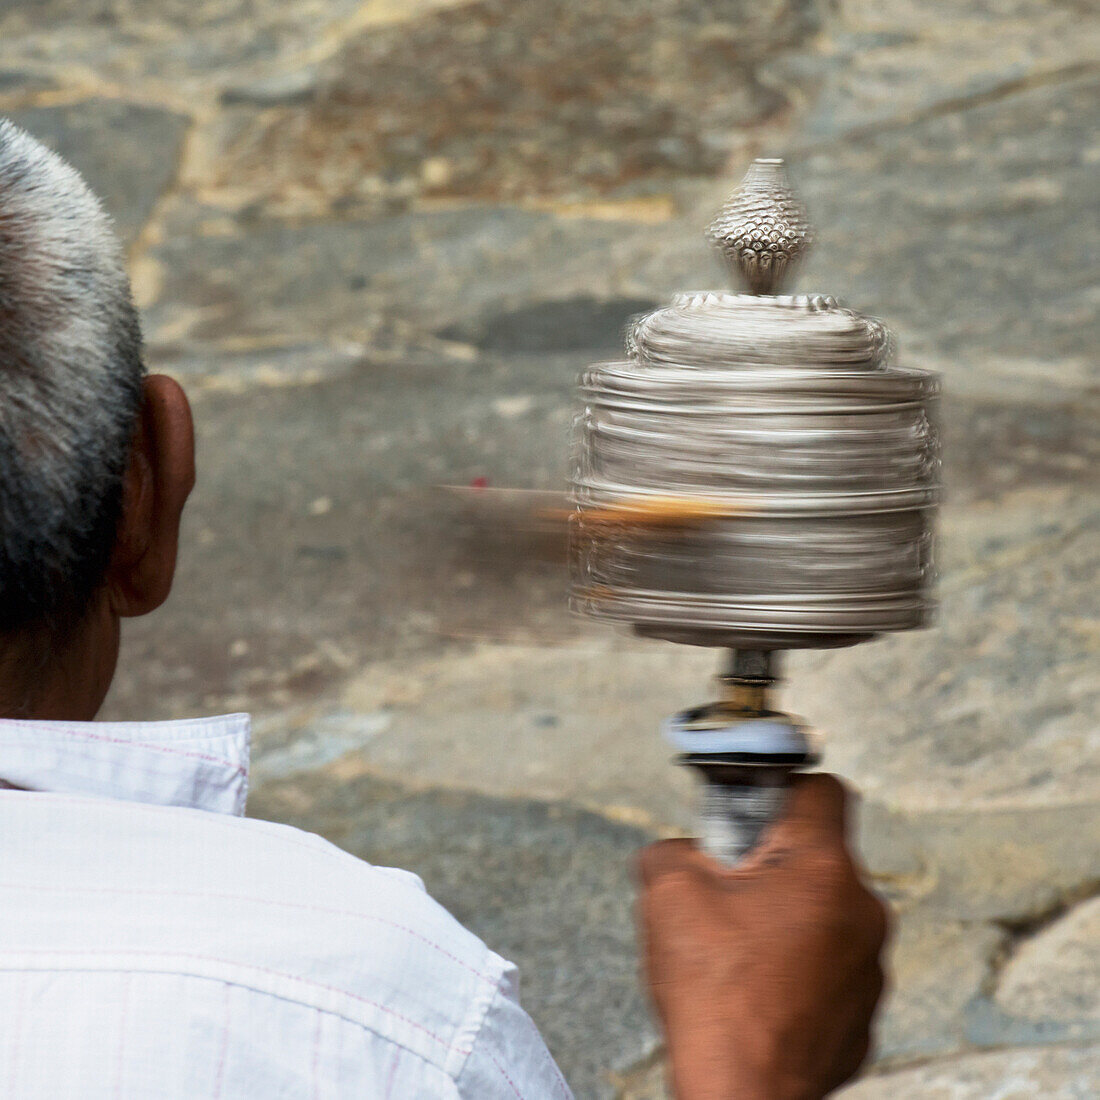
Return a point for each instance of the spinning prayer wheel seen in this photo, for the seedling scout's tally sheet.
(758, 474)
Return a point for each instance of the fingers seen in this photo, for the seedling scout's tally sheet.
(858, 1049)
(851, 1059)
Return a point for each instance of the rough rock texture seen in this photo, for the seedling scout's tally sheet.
(939, 967)
(340, 279)
(176, 44)
(1053, 974)
(510, 99)
(888, 61)
(1054, 1073)
(378, 239)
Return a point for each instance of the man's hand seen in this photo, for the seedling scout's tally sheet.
(765, 977)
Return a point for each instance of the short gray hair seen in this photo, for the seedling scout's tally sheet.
(70, 386)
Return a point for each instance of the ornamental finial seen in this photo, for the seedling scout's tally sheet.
(763, 231)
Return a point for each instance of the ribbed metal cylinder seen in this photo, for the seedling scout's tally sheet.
(804, 463)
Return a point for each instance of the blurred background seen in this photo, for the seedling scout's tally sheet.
(377, 240)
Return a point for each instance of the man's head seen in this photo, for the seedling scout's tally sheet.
(95, 459)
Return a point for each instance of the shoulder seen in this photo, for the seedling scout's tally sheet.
(259, 904)
(210, 850)
(278, 911)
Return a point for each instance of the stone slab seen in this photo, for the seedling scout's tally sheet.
(580, 323)
(963, 301)
(1055, 974)
(648, 1083)
(17, 83)
(203, 369)
(178, 45)
(1000, 700)
(881, 64)
(317, 555)
(968, 231)
(972, 240)
(1006, 865)
(227, 279)
(1054, 1073)
(1061, 1073)
(937, 966)
(522, 99)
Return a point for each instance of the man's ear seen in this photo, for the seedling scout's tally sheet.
(156, 485)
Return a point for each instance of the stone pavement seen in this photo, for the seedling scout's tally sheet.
(377, 239)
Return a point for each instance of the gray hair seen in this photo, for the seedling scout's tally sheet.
(70, 386)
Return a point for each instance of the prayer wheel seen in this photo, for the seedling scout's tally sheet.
(758, 474)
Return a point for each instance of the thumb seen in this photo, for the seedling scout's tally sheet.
(817, 810)
(665, 859)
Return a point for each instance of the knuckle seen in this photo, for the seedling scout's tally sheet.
(832, 790)
(657, 859)
(839, 788)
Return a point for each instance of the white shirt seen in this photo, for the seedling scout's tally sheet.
(154, 943)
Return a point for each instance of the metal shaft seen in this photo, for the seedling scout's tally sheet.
(745, 753)
(733, 815)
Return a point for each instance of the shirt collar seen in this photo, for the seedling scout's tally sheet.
(197, 762)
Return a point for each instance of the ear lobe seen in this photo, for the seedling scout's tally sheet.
(156, 485)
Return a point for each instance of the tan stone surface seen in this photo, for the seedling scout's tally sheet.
(1055, 974)
(1053, 1073)
(521, 99)
(937, 966)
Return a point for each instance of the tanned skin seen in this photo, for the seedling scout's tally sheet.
(765, 977)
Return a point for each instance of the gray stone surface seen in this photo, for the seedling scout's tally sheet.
(18, 83)
(1004, 865)
(956, 229)
(999, 701)
(648, 1083)
(546, 884)
(323, 278)
(581, 323)
(888, 61)
(980, 233)
(379, 275)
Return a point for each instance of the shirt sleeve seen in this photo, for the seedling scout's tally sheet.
(508, 1059)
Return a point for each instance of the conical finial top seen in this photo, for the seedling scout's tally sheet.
(762, 231)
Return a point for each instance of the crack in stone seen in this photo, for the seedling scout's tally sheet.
(1019, 930)
(628, 1079)
(888, 1068)
(953, 105)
